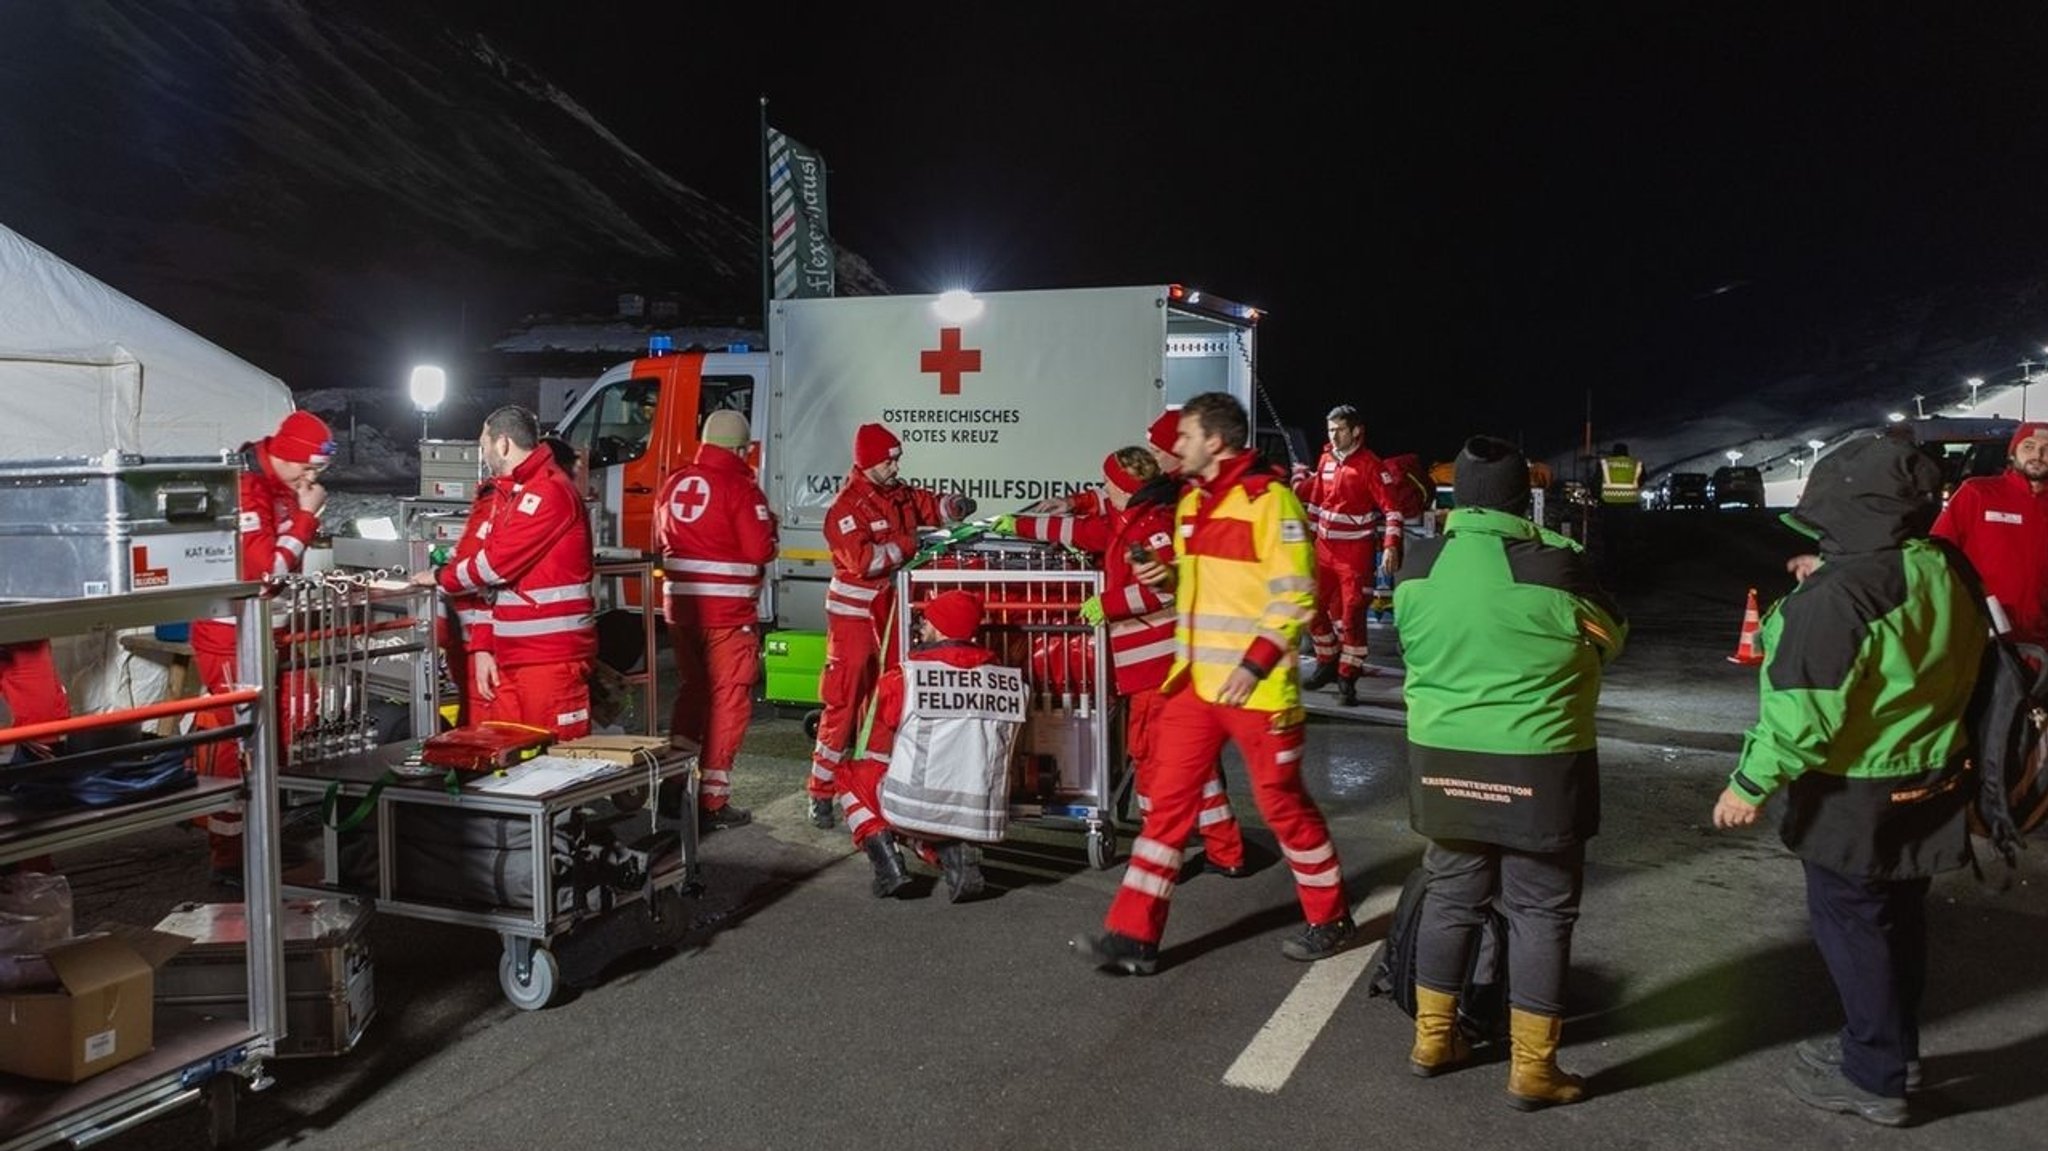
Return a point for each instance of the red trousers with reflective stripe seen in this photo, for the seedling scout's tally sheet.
(860, 798)
(1222, 838)
(1343, 593)
(551, 695)
(853, 662)
(716, 669)
(1191, 736)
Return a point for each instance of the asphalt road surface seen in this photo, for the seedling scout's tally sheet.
(800, 1012)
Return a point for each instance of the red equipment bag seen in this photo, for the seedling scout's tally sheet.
(492, 745)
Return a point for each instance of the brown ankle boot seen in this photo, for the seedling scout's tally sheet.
(1534, 1080)
(1439, 1045)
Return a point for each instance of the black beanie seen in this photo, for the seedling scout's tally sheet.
(1491, 473)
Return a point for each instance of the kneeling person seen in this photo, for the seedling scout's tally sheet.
(937, 762)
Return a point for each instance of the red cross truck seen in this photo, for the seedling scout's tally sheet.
(1006, 397)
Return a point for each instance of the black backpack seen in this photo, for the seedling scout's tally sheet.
(1483, 1001)
(2008, 724)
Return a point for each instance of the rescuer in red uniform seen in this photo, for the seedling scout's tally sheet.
(2001, 523)
(280, 501)
(1350, 509)
(936, 767)
(716, 535)
(534, 563)
(1140, 620)
(1243, 587)
(871, 530)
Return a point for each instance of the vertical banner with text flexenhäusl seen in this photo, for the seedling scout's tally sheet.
(800, 239)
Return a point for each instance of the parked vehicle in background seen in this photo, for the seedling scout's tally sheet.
(1739, 486)
(1673, 491)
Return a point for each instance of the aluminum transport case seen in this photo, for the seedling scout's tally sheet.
(329, 980)
(76, 528)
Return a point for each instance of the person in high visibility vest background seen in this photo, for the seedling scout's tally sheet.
(1244, 586)
(716, 536)
(1621, 478)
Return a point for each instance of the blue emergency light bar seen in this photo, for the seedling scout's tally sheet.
(660, 345)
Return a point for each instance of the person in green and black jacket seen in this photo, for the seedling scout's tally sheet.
(1868, 666)
(1505, 632)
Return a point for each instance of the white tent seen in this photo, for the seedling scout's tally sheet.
(85, 371)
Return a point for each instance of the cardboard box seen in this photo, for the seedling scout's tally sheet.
(102, 1014)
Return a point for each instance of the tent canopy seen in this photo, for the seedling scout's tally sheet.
(86, 371)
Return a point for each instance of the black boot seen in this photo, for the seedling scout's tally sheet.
(1323, 676)
(1347, 692)
(960, 863)
(821, 813)
(890, 877)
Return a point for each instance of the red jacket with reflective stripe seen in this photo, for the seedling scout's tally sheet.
(474, 609)
(534, 558)
(1347, 501)
(871, 532)
(275, 531)
(714, 530)
(1140, 618)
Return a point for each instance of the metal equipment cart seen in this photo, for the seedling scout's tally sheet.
(344, 633)
(552, 917)
(1068, 770)
(195, 1059)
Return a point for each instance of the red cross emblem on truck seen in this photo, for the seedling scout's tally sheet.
(949, 360)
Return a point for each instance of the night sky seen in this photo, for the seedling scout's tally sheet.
(1460, 220)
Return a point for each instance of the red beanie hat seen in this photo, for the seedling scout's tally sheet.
(303, 438)
(873, 443)
(956, 613)
(1119, 477)
(2029, 429)
(1164, 430)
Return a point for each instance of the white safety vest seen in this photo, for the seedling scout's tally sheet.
(949, 770)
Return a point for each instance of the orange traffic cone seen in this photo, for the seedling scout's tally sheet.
(1746, 652)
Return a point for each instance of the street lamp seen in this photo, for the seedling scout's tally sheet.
(1897, 417)
(1815, 446)
(429, 388)
(1732, 455)
(1919, 412)
(1975, 382)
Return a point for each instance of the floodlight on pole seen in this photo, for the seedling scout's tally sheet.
(1919, 412)
(1975, 382)
(1732, 455)
(1815, 446)
(1896, 417)
(429, 387)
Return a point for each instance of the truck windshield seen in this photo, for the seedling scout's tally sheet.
(615, 426)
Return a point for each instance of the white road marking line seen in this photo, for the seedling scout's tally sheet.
(1269, 1059)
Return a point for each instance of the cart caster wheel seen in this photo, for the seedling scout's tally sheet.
(543, 980)
(811, 721)
(1101, 849)
(220, 1111)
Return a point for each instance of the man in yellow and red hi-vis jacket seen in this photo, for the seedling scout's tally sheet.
(1243, 587)
(712, 524)
(1358, 534)
(871, 531)
(534, 564)
(281, 497)
(1140, 619)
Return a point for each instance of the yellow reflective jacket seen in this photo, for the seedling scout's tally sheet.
(1246, 584)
